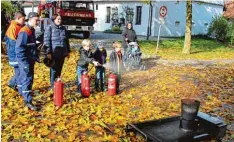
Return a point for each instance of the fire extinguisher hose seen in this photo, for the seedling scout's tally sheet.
(107, 128)
(90, 69)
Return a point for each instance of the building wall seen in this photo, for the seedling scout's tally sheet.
(29, 9)
(176, 13)
(202, 16)
(100, 14)
(175, 21)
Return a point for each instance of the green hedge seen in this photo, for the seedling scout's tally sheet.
(222, 29)
(115, 30)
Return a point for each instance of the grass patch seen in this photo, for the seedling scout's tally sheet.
(201, 49)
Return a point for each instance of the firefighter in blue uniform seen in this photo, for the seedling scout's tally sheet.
(26, 54)
(11, 36)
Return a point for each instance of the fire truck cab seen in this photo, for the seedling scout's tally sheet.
(77, 16)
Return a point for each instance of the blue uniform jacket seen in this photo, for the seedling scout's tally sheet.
(11, 51)
(26, 49)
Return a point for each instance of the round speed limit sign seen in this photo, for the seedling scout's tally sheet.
(163, 11)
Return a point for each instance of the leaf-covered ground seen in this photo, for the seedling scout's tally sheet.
(145, 95)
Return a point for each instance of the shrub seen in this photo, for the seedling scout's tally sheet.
(230, 33)
(116, 29)
(221, 29)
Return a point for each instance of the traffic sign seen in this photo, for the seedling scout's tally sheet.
(163, 11)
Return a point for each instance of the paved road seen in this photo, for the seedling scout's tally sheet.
(97, 35)
(107, 37)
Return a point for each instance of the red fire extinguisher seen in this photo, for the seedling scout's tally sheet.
(85, 85)
(112, 84)
(58, 92)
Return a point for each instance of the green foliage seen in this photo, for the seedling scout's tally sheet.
(9, 8)
(221, 29)
(115, 29)
(230, 33)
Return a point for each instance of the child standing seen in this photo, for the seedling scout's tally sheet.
(86, 57)
(116, 63)
(100, 56)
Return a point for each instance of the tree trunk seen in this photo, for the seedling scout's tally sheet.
(188, 31)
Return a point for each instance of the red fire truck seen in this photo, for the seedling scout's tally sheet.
(77, 16)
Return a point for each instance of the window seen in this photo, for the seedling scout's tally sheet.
(177, 23)
(73, 5)
(114, 16)
(108, 14)
(96, 6)
(129, 14)
(138, 15)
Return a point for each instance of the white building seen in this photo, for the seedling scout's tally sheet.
(30, 7)
(175, 20)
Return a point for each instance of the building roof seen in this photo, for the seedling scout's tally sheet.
(229, 12)
(216, 2)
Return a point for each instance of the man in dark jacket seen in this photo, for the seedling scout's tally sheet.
(100, 56)
(26, 55)
(129, 35)
(86, 57)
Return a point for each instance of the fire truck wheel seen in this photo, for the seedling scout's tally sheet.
(86, 35)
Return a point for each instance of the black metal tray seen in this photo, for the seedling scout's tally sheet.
(168, 130)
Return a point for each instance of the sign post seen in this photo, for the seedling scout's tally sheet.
(158, 38)
(163, 13)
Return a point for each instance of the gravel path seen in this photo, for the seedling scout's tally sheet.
(97, 35)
